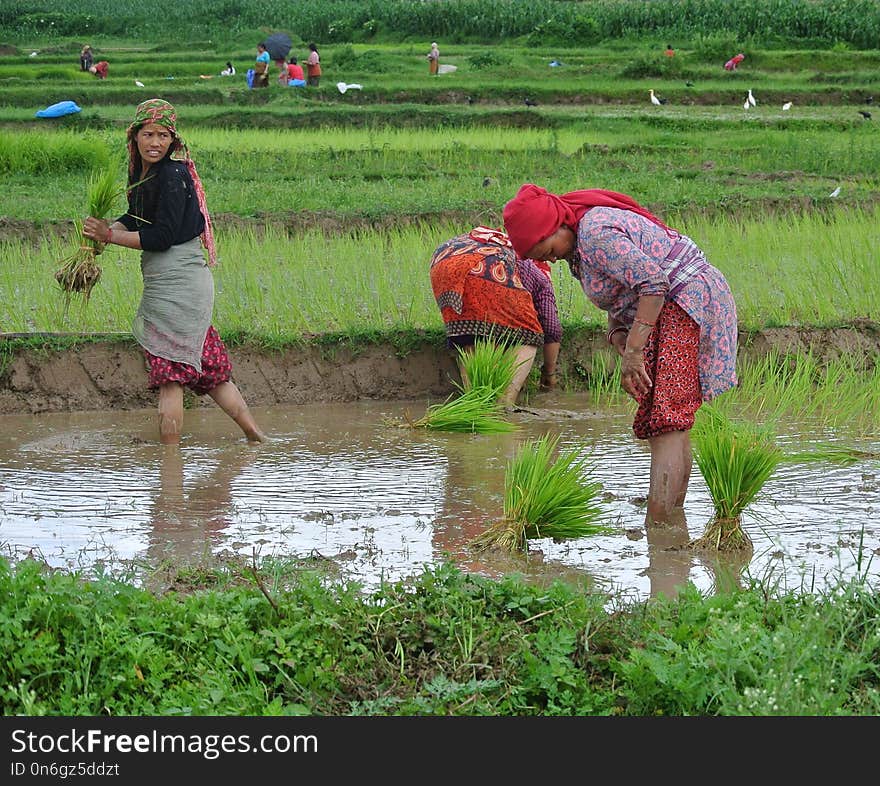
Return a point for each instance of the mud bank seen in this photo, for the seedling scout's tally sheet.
(109, 373)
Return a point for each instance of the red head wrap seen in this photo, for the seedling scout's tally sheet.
(534, 213)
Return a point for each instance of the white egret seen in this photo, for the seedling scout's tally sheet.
(786, 106)
(751, 98)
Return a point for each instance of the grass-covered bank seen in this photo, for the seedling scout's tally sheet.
(277, 640)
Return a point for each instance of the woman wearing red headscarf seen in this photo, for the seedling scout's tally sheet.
(671, 315)
(167, 218)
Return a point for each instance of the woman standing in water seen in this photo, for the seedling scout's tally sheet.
(166, 218)
(671, 315)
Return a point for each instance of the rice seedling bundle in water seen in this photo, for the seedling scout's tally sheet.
(545, 497)
(79, 272)
(476, 410)
(736, 460)
(487, 371)
(487, 365)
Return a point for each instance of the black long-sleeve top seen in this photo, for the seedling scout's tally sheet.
(164, 209)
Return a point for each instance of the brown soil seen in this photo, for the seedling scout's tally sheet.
(109, 372)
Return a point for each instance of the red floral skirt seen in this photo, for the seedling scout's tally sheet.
(671, 361)
(216, 367)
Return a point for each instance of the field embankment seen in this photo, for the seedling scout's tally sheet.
(68, 374)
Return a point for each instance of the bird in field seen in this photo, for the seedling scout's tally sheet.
(530, 102)
(869, 100)
(751, 99)
(746, 104)
(470, 99)
(139, 84)
(786, 106)
(864, 114)
(688, 84)
(835, 193)
(655, 100)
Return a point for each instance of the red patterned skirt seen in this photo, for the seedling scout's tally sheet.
(671, 361)
(216, 367)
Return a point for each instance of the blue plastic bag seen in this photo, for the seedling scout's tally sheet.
(59, 109)
(250, 77)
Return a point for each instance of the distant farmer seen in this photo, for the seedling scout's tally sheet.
(100, 69)
(261, 66)
(85, 58)
(734, 61)
(433, 58)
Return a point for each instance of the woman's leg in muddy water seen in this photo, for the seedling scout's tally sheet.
(230, 400)
(170, 413)
(687, 461)
(525, 356)
(669, 474)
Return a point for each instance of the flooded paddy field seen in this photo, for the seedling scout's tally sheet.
(344, 484)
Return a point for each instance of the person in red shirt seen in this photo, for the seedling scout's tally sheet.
(295, 75)
(100, 69)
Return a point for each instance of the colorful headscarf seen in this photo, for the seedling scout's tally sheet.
(161, 113)
(534, 213)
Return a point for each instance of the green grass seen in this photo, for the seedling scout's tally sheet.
(278, 639)
(810, 270)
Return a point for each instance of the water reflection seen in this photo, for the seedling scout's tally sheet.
(339, 482)
(188, 520)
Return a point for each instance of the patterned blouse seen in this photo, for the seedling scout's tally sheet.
(621, 256)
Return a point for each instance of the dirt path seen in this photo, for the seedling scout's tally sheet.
(110, 373)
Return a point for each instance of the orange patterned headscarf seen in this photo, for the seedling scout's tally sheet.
(161, 113)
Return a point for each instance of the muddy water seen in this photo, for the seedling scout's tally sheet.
(343, 483)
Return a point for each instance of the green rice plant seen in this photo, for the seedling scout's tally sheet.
(79, 272)
(487, 370)
(736, 459)
(487, 365)
(830, 453)
(544, 497)
(476, 411)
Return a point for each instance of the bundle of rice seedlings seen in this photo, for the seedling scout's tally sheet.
(487, 371)
(476, 411)
(79, 272)
(834, 454)
(544, 498)
(736, 459)
(487, 365)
